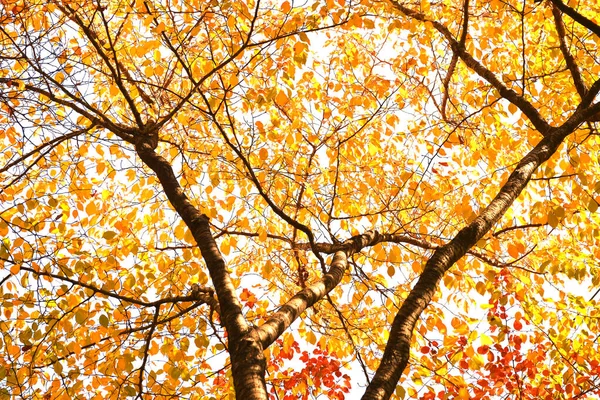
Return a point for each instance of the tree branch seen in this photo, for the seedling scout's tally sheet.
(98, 46)
(53, 143)
(95, 116)
(569, 59)
(146, 352)
(231, 309)
(329, 248)
(577, 17)
(526, 107)
(287, 314)
(454, 60)
(108, 293)
(397, 351)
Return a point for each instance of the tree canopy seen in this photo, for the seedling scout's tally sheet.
(294, 200)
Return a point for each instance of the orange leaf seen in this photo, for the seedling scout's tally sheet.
(263, 154)
(281, 99)
(15, 268)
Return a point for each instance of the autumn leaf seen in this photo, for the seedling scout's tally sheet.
(280, 200)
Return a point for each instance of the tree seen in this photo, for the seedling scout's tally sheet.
(201, 198)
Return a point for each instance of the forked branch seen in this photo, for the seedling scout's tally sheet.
(577, 17)
(525, 106)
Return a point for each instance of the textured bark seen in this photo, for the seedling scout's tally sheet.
(247, 358)
(569, 59)
(248, 367)
(397, 351)
(287, 314)
(377, 237)
(231, 311)
(582, 20)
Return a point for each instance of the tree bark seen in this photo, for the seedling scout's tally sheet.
(397, 351)
(247, 359)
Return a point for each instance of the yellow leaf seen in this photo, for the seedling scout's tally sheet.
(225, 248)
(356, 21)
(463, 394)
(58, 368)
(592, 206)
(180, 231)
(400, 392)
(231, 22)
(460, 326)
(90, 209)
(417, 267)
(37, 22)
(160, 28)
(373, 149)
(188, 237)
(513, 251)
(109, 235)
(485, 340)
(233, 80)
(480, 288)
(395, 255)
(262, 234)
(100, 167)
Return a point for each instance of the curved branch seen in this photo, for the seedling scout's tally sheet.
(231, 309)
(251, 234)
(569, 59)
(498, 264)
(100, 119)
(146, 352)
(287, 314)
(54, 142)
(330, 248)
(512, 228)
(454, 60)
(577, 17)
(133, 330)
(98, 46)
(526, 107)
(108, 293)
